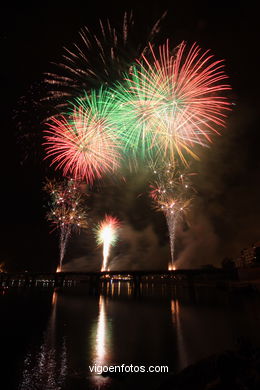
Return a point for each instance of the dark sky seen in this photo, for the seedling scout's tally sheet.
(226, 214)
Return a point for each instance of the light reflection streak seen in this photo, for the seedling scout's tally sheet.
(129, 288)
(101, 348)
(176, 320)
(47, 367)
(107, 288)
(54, 299)
(101, 333)
(112, 289)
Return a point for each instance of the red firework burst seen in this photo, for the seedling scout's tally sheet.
(83, 146)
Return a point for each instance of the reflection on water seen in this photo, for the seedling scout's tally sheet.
(47, 367)
(156, 324)
(101, 352)
(101, 334)
(115, 288)
(101, 344)
(180, 340)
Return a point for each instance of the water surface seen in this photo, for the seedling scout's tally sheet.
(50, 336)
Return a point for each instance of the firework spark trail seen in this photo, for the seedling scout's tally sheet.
(65, 231)
(172, 220)
(67, 210)
(106, 235)
(106, 247)
(171, 192)
(171, 101)
(86, 145)
(98, 59)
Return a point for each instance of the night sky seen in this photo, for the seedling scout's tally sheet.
(226, 214)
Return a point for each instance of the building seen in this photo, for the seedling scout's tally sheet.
(249, 257)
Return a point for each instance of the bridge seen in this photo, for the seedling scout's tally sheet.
(58, 279)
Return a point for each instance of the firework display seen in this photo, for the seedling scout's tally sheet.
(67, 210)
(106, 235)
(172, 194)
(155, 104)
(85, 145)
(171, 101)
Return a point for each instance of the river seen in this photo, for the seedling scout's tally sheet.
(52, 337)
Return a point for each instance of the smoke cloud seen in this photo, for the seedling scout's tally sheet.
(136, 250)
